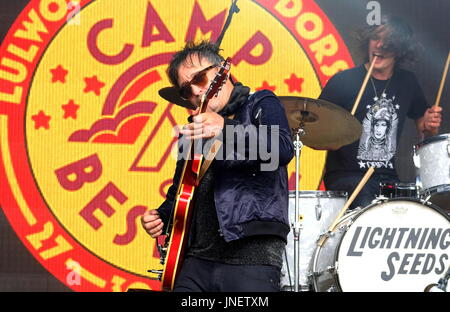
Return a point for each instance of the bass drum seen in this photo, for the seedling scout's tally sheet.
(394, 245)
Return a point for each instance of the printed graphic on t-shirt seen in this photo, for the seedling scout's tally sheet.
(378, 141)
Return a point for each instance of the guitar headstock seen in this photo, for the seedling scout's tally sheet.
(219, 81)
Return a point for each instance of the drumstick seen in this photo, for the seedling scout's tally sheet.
(348, 203)
(363, 87)
(441, 87)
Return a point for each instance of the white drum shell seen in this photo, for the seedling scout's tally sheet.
(432, 161)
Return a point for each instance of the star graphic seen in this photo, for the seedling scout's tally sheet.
(376, 98)
(70, 110)
(59, 74)
(266, 86)
(384, 95)
(361, 164)
(294, 83)
(93, 84)
(41, 120)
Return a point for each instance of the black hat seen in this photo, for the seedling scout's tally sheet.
(172, 95)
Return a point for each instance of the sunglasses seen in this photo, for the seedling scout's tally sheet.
(200, 79)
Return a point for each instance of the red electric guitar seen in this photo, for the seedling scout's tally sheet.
(173, 250)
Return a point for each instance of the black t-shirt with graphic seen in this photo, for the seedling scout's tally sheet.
(382, 111)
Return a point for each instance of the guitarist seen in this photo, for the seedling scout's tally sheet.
(240, 217)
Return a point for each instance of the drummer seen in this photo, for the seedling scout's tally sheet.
(391, 94)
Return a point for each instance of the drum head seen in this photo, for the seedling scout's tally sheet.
(395, 245)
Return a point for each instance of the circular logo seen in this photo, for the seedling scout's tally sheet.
(86, 142)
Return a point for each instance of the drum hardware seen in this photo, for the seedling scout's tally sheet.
(329, 269)
(332, 289)
(418, 186)
(297, 226)
(344, 228)
(318, 210)
(310, 121)
(313, 274)
(380, 198)
(325, 235)
(287, 267)
(332, 269)
(441, 285)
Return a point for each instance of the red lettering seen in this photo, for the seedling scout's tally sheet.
(99, 202)
(198, 20)
(130, 234)
(99, 55)
(73, 176)
(153, 20)
(245, 53)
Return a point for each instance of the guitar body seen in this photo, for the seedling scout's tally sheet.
(181, 222)
(184, 202)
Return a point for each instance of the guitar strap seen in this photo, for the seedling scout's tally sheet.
(210, 157)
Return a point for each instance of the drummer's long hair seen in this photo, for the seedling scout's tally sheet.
(400, 40)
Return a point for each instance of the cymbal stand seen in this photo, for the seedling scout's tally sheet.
(298, 145)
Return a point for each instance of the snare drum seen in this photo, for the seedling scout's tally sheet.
(395, 190)
(432, 162)
(317, 210)
(391, 245)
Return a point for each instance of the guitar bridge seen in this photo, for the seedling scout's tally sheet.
(158, 274)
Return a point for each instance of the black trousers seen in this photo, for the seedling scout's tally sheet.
(197, 275)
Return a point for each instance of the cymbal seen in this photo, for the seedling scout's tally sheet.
(326, 126)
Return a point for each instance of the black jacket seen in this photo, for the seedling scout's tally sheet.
(251, 187)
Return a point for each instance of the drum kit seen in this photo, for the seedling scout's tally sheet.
(398, 243)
